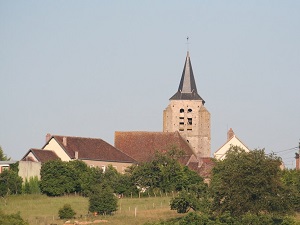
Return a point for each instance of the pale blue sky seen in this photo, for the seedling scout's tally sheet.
(89, 68)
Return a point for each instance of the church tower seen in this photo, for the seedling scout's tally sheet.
(187, 115)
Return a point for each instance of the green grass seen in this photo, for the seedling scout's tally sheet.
(42, 210)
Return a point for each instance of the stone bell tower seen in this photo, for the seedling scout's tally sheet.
(187, 115)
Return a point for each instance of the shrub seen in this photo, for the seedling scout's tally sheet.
(103, 201)
(8, 219)
(66, 212)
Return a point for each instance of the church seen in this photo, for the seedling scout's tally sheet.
(186, 126)
(186, 113)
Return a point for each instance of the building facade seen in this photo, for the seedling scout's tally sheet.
(187, 115)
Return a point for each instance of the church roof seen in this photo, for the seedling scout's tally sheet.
(187, 89)
(142, 145)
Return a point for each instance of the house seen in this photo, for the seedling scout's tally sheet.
(4, 165)
(95, 152)
(232, 140)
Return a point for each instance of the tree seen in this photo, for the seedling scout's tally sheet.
(163, 172)
(249, 183)
(31, 186)
(10, 183)
(57, 178)
(103, 200)
(66, 212)
(3, 157)
(291, 178)
(194, 197)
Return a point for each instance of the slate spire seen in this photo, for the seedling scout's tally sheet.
(187, 89)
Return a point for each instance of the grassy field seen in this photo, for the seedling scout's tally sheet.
(43, 210)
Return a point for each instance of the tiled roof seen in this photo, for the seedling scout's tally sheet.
(142, 145)
(92, 149)
(41, 155)
(203, 167)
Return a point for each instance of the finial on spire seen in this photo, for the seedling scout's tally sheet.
(187, 43)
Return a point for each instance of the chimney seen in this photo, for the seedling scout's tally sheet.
(230, 134)
(297, 161)
(76, 154)
(65, 141)
(48, 137)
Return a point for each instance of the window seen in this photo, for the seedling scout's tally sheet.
(190, 110)
(181, 110)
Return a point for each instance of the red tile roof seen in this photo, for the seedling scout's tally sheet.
(142, 145)
(92, 149)
(41, 155)
(203, 167)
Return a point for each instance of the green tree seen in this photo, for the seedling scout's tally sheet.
(31, 186)
(103, 200)
(10, 183)
(291, 178)
(163, 172)
(3, 157)
(195, 197)
(57, 178)
(66, 212)
(9, 219)
(249, 183)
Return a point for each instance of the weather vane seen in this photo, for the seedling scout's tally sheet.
(187, 43)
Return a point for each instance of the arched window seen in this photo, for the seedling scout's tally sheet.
(190, 110)
(181, 110)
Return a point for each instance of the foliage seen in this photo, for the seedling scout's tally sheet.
(58, 177)
(9, 219)
(66, 212)
(31, 186)
(10, 183)
(249, 183)
(226, 219)
(291, 178)
(196, 198)
(14, 167)
(164, 173)
(103, 201)
(89, 180)
(3, 157)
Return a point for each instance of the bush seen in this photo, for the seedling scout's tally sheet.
(66, 212)
(103, 201)
(9, 219)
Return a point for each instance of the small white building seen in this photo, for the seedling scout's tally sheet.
(232, 140)
(4, 165)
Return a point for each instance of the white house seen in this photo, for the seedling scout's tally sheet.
(232, 140)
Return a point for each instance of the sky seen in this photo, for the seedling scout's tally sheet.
(90, 68)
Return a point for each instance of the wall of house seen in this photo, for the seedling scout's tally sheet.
(221, 153)
(54, 146)
(120, 167)
(192, 120)
(29, 169)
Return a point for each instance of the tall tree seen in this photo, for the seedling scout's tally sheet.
(249, 183)
(3, 157)
(10, 183)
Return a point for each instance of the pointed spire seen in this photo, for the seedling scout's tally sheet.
(187, 89)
